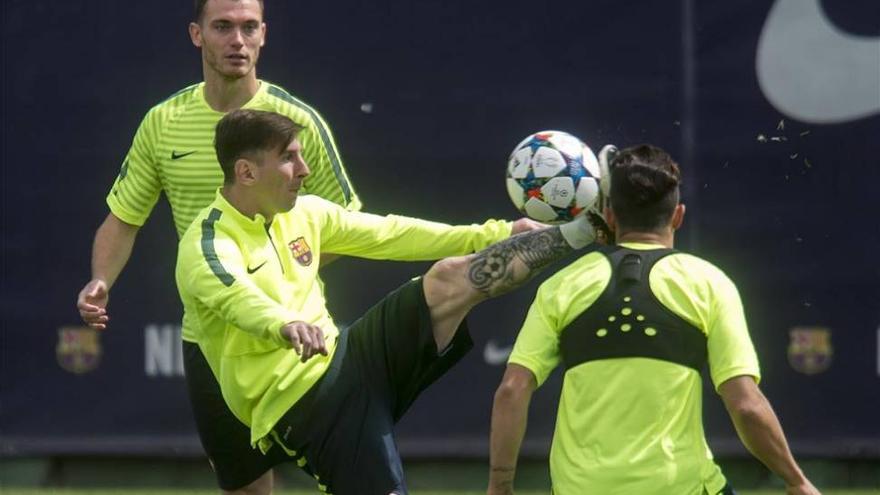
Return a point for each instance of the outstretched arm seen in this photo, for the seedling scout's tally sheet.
(426, 250)
(509, 417)
(110, 252)
(760, 431)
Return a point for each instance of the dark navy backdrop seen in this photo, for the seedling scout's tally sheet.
(783, 202)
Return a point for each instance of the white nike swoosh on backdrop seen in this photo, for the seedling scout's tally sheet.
(495, 355)
(812, 71)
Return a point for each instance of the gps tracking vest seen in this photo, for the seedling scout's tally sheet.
(628, 321)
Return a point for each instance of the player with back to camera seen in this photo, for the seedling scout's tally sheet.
(247, 271)
(633, 325)
(172, 152)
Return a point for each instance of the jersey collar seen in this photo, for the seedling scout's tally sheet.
(642, 246)
(264, 87)
(256, 223)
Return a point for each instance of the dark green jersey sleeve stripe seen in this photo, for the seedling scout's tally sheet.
(325, 138)
(208, 248)
(187, 89)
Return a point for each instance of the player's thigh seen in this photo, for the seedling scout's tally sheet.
(394, 347)
(226, 440)
(358, 453)
(341, 431)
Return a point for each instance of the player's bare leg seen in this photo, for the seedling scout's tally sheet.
(261, 486)
(453, 286)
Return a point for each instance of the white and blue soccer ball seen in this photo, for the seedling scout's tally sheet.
(553, 177)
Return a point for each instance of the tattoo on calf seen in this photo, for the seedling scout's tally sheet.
(489, 266)
(492, 270)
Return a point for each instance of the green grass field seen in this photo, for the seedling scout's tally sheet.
(52, 491)
(81, 476)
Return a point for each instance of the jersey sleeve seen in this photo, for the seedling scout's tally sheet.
(731, 352)
(328, 178)
(394, 237)
(211, 270)
(537, 345)
(137, 187)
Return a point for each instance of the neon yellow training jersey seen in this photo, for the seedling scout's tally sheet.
(631, 424)
(240, 281)
(173, 151)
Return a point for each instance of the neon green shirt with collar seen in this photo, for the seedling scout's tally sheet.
(240, 281)
(634, 424)
(173, 152)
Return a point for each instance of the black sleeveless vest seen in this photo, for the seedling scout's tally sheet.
(628, 321)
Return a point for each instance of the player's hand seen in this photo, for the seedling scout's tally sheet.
(305, 339)
(805, 488)
(92, 303)
(526, 225)
(604, 234)
(606, 158)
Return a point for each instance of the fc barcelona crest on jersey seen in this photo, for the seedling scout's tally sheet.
(302, 253)
(809, 349)
(79, 349)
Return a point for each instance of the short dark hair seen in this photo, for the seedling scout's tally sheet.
(645, 184)
(244, 133)
(200, 9)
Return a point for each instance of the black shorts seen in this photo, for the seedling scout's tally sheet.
(727, 490)
(343, 427)
(226, 440)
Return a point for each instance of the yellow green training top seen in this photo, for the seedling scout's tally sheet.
(242, 280)
(173, 151)
(634, 424)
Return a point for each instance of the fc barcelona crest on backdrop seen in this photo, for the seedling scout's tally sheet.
(301, 251)
(809, 349)
(79, 349)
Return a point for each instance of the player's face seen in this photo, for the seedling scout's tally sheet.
(281, 175)
(230, 35)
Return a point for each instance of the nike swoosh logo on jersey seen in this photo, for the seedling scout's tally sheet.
(495, 355)
(814, 72)
(253, 270)
(177, 156)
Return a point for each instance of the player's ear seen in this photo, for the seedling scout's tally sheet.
(263, 38)
(246, 171)
(608, 213)
(678, 216)
(195, 34)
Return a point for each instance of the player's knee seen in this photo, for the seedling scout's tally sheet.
(446, 280)
(447, 268)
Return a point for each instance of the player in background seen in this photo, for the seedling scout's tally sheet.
(633, 325)
(329, 399)
(172, 152)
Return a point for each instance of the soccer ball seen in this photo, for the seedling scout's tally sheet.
(552, 177)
